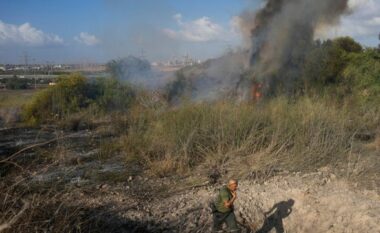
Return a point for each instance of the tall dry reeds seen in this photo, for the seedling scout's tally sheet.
(297, 134)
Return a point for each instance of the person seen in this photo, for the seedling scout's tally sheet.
(223, 208)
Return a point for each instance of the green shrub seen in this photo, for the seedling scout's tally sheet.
(113, 95)
(16, 83)
(362, 77)
(59, 101)
(74, 93)
(180, 87)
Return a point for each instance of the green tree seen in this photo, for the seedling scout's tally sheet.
(362, 76)
(326, 61)
(15, 83)
(348, 44)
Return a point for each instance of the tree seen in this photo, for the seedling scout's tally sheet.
(362, 75)
(16, 83)
(325, 62)
(348, 44)
(129, 68)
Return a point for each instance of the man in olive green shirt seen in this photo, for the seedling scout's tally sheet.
(223, 211)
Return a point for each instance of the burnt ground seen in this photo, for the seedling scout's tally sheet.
(106, 195)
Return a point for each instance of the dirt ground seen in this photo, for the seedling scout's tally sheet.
(125, 201)
(314, 202)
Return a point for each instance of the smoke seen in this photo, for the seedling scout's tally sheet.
(281, 34)
(137, 71)
(220, 77)
(278, 38)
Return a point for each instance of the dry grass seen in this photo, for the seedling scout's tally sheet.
(108, 149)
(297, 135)
(26, 208)
(11, 102)
(242, 139)
(163, 167)
(15, 98)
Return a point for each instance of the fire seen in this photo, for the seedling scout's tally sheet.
(256, 91)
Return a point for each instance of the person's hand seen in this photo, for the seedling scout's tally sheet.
(234, 194)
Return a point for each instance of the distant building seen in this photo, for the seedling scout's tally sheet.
(36, 67)
(20, 68)
(183, 61)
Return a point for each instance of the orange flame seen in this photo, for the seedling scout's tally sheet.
(256, 91)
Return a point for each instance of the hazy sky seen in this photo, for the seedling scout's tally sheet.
(66, 31)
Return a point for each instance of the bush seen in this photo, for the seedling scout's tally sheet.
(16, 83)
(362, 77)
(67, 97)
(113, 95)
(341, 68)
(180, 87)
(74, 93)
(130, 68)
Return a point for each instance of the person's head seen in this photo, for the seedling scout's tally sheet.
(232, 185)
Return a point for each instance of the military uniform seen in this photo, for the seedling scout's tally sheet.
(222, 214)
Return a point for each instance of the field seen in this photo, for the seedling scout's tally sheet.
(98, 155)
(15, 98)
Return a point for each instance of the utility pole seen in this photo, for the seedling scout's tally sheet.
(142, 54)
(48, 67)
(34, 73)
(26, 60)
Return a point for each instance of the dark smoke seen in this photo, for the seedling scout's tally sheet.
(281, 33)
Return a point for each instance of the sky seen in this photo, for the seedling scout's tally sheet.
(86, 31)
